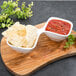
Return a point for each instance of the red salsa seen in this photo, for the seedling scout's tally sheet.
(58, 26)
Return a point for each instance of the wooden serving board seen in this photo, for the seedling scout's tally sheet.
(47, 51)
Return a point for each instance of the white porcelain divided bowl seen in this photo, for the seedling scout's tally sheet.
(51, 35)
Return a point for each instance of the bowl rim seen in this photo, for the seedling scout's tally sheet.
(18, 47)
(61, 20)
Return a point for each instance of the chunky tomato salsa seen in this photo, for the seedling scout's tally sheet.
(58, 26)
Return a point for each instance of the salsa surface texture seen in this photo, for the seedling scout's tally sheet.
(58, 26)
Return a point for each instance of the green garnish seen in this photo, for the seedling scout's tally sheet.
(11, 9)
(70, 41)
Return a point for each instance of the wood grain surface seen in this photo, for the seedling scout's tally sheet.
(46, 51)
